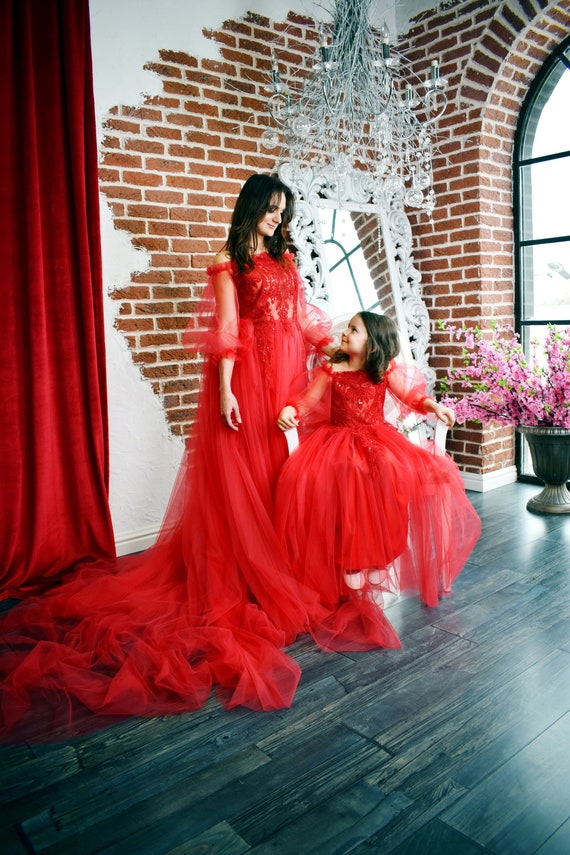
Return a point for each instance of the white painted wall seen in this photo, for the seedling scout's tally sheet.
(125, 35)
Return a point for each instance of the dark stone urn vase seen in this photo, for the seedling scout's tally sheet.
(550, 452)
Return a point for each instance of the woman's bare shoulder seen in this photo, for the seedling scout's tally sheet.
(222, 257)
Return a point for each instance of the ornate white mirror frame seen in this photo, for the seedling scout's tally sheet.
(314, 189)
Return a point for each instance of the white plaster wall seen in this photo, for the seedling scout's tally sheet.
(125, 35)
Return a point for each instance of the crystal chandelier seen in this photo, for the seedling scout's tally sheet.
(360, 108)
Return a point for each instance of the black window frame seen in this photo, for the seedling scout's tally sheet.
(531, 110)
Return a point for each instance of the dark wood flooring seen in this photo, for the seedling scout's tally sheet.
(459, 743)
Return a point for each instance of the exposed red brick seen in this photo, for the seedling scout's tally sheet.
(178, 57)
(165, 196)
(170, 260)
(109, 176)
(130, 161)
(120, 125)
(465, 257)
(128, 325)
(144, 146)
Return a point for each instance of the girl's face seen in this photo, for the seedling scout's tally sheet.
(272, 218)
(354, 338)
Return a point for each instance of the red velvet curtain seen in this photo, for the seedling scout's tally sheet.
(54, 510)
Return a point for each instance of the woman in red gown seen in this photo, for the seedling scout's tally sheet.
(361, 508)
(213, 602)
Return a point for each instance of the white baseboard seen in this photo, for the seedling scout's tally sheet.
(481, 482)
(135, 541)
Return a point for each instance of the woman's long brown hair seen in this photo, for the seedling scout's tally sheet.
(254, 201)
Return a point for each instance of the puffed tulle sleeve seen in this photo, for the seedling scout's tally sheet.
(315, 324)
(313, 395)
(313, 404)
(407, 388)
(216, 329)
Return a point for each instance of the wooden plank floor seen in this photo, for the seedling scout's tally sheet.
(457, 744)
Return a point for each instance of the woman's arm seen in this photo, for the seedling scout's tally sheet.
(229, 407)
(315, 324)
(227, 326)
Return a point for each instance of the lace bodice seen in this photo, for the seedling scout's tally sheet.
(260, 305)
(269, 292)
(355, 400)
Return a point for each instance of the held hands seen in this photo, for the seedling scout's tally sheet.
(287, 418)
(229, 409)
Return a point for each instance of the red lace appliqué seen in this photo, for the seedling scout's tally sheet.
(356, 401)
(267, 297)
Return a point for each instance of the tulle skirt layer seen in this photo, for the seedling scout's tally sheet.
(211, 605)
(364, 513)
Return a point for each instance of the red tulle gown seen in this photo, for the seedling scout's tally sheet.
(213, 603)
(363, 510)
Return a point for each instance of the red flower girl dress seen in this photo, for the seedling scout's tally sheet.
(363, 510)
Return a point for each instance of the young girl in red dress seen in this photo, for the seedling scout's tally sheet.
(362, 509)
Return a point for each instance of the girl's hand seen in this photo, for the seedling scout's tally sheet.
(229, 409)
(288, 418)
(445, 414)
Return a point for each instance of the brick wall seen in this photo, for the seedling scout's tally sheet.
(490, 53)
(171, 168)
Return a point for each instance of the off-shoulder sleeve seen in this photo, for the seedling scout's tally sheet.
(407, 385)
(215, 328)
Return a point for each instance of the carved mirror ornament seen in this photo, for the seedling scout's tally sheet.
(397, 286)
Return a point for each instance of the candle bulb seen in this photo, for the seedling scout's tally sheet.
(325, 51)
(323, 44)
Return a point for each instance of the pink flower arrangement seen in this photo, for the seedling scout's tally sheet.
(505, 386)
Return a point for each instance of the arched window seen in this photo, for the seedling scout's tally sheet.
(542, 207)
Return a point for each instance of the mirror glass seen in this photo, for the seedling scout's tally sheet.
(356, 262)
(356, 255)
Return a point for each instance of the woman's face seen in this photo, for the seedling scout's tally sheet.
(272, 218)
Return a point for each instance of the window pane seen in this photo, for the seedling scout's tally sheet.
(545, 191)
(545, 282)
(553, 129)
(532, 334)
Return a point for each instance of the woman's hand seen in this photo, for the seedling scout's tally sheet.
(329, 349)
(229, 409)
(287, 418)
